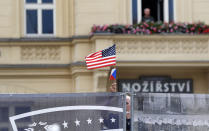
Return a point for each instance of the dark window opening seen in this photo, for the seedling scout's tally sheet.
(156, 8)
(31, 1)
(32, 21)
(134, 11)
(47, 1)
(171, 11)
(47, 21)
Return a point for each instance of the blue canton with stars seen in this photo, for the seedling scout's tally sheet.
(109, 51)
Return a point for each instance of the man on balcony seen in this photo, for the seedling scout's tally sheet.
(147, 17)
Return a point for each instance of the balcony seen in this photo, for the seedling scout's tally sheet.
(168, 49)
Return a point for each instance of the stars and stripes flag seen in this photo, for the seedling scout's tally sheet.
(103, 58)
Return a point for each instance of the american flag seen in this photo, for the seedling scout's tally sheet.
(103, 58)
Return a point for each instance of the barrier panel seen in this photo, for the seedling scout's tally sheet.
(103, 111)
(170, 112)
(62, 112)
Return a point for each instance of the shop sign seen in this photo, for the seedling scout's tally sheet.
(156, 86)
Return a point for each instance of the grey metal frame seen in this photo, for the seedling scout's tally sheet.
(124, 110)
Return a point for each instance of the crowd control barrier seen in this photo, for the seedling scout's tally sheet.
(170, 112)
(104, 112)
(62, 112)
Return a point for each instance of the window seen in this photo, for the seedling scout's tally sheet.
(39, 17)
(161, 10)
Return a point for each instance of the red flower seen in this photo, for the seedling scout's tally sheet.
(155, 29)
(94, 28)
(193, 28)
(206, 31)
(105, 27)
(127, 26)
(149, 28)
(146, 24)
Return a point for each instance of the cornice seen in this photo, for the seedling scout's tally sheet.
(141, 37)
(188, 64)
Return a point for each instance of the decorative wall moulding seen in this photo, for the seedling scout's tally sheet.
(162, 47)
(41, 53)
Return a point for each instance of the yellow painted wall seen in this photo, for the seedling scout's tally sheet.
(84, 83)
(9, 18)
(192, 10)
(12, 18)
(201, 10)
(65, 18)
(36, 85)
(99, 12)
(35, 53)
(76, 17)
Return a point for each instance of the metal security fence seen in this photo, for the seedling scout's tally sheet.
(104, 111)
(62, 112)
(170, 112)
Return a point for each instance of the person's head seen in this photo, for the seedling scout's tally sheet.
(113, 87)
(147, 11)
(128, 103)
(128, 107)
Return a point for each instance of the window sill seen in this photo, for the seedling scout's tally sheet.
(39, 35)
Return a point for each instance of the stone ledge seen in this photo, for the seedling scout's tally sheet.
(42, 65)
(44, 39)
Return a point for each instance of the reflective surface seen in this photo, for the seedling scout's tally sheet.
(171, 112)
(32, 21)
(47, 1)
(47, 20)
(31, 1)
(77, 112)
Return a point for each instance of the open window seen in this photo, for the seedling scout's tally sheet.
(161, 10)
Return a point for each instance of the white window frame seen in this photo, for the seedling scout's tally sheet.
(166, 11)
(39, 6)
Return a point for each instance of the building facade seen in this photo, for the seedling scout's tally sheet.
(43, 44)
